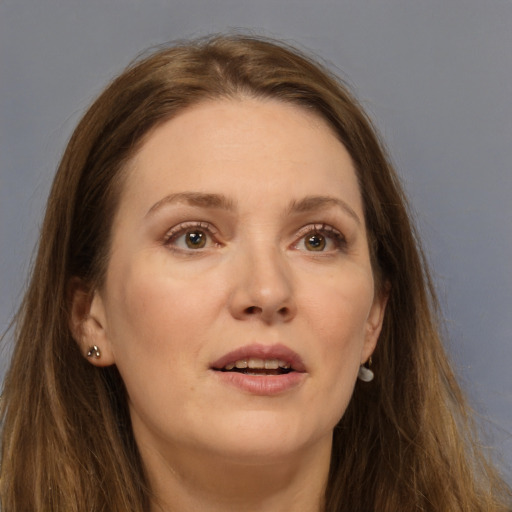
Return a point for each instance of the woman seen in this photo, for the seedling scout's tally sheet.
(226, 250)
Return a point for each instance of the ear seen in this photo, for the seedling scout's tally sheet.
(87, 322)
(375, 321)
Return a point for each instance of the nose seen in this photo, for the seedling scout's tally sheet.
(263, 287)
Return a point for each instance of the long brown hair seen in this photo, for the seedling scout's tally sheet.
(405, 441)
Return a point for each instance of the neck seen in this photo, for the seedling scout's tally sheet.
(185, 481)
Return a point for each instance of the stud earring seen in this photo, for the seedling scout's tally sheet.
(94, 351)
(364, 373)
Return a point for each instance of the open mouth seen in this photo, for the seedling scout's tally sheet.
(258, 367)
(261, 370)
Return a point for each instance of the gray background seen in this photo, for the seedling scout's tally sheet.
(436, 75)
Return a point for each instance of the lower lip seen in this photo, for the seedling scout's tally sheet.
(263, 385)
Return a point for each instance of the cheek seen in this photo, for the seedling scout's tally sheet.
(161, 316)
(151, 314)
(340, 306)
(157, 329)
(338, 317)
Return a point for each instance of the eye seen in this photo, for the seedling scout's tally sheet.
(320, 238)
(190, 236)
(315, 242)
(195, 239)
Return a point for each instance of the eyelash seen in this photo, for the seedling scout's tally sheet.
(328, 232)
(185, 228)
(325, 230)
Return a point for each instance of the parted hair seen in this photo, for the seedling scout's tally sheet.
(406, 441)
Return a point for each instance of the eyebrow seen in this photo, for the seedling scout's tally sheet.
(312, 203)
(221, 202)
(216, 201)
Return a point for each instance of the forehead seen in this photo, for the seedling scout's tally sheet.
(242, 147)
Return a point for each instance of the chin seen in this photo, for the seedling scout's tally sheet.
(261, 437)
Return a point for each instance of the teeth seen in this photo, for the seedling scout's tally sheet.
(256, 363)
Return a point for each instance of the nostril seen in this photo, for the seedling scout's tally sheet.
(256, 310)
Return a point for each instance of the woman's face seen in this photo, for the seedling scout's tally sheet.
(239, 299)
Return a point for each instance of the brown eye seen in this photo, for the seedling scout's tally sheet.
(191, 237)
(321, 238)
(195, 239)
(315, 242)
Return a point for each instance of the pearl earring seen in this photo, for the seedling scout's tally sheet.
(364, 373)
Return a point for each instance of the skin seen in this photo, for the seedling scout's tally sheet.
(166, 311)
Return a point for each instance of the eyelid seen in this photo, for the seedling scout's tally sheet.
(324, 229)
(180, 229)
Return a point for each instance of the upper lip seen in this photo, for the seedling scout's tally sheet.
(277, 351)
